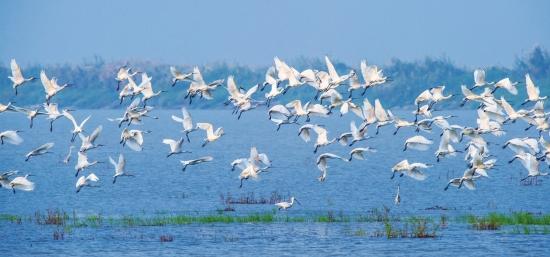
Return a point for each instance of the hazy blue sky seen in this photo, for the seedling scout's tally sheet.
(473, 33)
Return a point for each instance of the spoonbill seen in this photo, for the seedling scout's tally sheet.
(175, 146)
(68, 157)
(53, 113)
(287, 205)
(10, 136)
(211, 135)
(179, 76)
(322, 135)
(77, 129)
(16, 76)
(123, 73)
(30, 113)
(83, 163)
(419, 143)
(43, 149)
(147, 89)
(322, 164)
(5, 178)
(412, 170)
(533, 92)
(195, 161)
(21, 183)
(186, 121)
(133, 138)
(86, 182)
(530, 163)
(88, 142)
(467, 180)
(120, 167)
(51, 88)
(357, 153)
(381, 116)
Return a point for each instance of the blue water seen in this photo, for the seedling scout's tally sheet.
(161, 187)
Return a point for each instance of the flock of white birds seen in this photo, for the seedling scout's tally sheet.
(493, 115)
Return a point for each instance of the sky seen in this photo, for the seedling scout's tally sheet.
(471, 33)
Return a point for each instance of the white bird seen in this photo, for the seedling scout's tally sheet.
(445, 147)
(355, 135)
(186, 121)
(322, 135)
(120, 167)
(211, 135)
(287, 205)
(10, 136)
(399, 123)
(533, 92)
(16, 76)
(381, 116)
(307, 109)
(199, 86)
(417, 143)
(147, 89)
(372, 76)
(51, 88)
(513, 115)
(43, 149)
(5, 178)
(21, 183)
(530, 163)
(479, 79)
(83, 163)
(88, 142)
(53, 113)
(506, 84)
(6, 107)
(175, 146)
(366, 113)
(123, 73)
(68, 157)
(335, 79)
(322, 164)
(86, 182)
(357, 153)
(77, 128)
(179, 76)
(467, 180)
(412, 170)
(195, 161)
(522, 145)
(133, 138)
(249, 170)
(30, 113)
(397, 199)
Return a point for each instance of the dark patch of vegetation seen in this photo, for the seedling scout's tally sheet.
(166, 238)
(251, 198)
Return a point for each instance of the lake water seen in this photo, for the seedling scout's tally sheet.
(159, 186)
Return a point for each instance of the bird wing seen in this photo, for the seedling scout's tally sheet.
(232, 87)
(305, 131)
(70, 117)
(197, 76)
(532, 90)
(113, 162)
(187, 120)
(251, 91)
(317, 109)
(44, 147)
(95, 134)
(175, 72)
(379, 111)
(206, 159)
(206, 127)
(15, 70)
(331, 70)
(46, 83)
(11, 137)
(121, 162)
(479, 77)
(85, 120)
(92, 177)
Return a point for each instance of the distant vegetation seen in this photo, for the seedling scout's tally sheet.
(96, 79)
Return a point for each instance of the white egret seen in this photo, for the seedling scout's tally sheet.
(30, 113)
(445, 147)
(381, 116)
(5, 178)
(467, 180)
(69, 154)
(147, 89)
(530, 163)
(53, 113)
(43, 149)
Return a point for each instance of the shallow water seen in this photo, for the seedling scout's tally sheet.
(352, 188)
